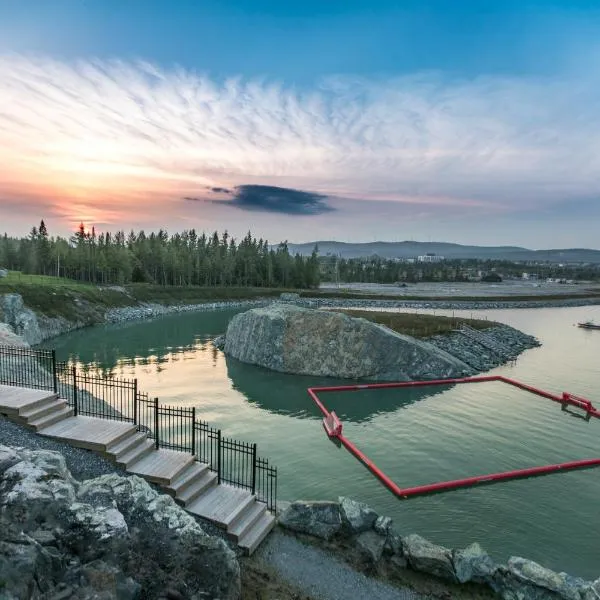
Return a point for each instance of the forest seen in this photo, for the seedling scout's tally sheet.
(180, 259)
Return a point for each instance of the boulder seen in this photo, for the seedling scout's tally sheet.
(291, 339)
(289, 297)
(321, 519)
(23, 320)
(473, 564)
(3, 273)
(426, 557)
(370, 546)
(528, 578)
(108, 537)
(383, 525)
(356, 516)
(9, 338)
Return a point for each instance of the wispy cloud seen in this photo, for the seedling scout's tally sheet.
(133, 132)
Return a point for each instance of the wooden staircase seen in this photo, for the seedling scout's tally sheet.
(191, 483)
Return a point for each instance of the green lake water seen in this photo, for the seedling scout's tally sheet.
(415, 436)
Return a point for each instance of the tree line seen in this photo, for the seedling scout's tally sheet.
(381, 270)
(181, 259)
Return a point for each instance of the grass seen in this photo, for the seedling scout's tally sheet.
(417, 325)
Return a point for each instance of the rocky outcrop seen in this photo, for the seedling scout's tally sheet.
(111, 537)
(22, 320)
(367, 540)
(9, 338)
(291, 339)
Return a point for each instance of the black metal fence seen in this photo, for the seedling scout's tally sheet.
(26, 367)
(171, 427)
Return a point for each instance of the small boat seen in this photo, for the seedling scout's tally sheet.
(588, 325)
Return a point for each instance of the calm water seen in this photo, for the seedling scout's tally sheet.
(416, 436)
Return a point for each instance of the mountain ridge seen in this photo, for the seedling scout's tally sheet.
(412, 249)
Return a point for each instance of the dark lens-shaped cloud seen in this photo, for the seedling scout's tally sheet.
(279, 200)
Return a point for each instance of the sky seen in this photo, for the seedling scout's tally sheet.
(470, 121)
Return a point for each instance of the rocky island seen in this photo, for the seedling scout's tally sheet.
(291, 339)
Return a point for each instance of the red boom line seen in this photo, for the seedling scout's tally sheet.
(333, 427)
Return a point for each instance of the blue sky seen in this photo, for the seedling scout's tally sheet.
(443, 115)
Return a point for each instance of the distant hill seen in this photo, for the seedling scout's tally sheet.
(413, 249)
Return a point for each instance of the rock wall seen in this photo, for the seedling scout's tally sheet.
(291, 339)
(370, 542)
(111, 537)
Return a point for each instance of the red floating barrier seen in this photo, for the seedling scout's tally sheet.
(333, 427)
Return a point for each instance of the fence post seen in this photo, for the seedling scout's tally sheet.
(75, 398)
(193, 429)
(156, 434)
(135, 401)
(253, 469)
(54, 374)
(219, 450)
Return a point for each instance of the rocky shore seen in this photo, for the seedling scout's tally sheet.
(109, 537)
(369, 541)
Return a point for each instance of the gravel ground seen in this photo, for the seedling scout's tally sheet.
(321, 576)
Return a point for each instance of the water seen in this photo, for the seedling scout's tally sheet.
(416, 436)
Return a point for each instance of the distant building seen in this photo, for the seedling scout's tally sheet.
(430, 258)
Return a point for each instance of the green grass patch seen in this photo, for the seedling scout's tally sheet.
(418, 325)
(196, 294)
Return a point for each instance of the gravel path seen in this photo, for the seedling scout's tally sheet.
(320, 575)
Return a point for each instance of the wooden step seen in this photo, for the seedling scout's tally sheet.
(186, 478)
(245, 520)
(163, 466)
(239, 510)
(121, 447)
(218, 503)
(50, 419)
(32, 414)
(140, 451)
(257, 533)
(197, 488)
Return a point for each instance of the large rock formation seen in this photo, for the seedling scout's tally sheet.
(291, 339)
(111, 537)
(23, 320)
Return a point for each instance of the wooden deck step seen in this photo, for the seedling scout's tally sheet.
(218, 503)
(161, 466)
(89, 432)
(135, 454)
(199, 486)
(50, 419)
(241, 525)
(187, 477)
(14, 399)
(257, 533)
(122, 447)
(31, 414)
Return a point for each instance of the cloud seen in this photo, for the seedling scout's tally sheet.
(93, 129)
(279, 200)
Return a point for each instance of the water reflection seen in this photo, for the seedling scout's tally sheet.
(286, 394)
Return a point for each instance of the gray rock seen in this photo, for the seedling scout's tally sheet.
(370, 546)
(3, 273)
(291, 339)
(473, 564)
(383, 525)
(356, 516)
(219, 342)
(23, 320)
(289, 297)
(121, 525)
(531, 573)
(426, 557)
(321, 519)
(591, 591)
